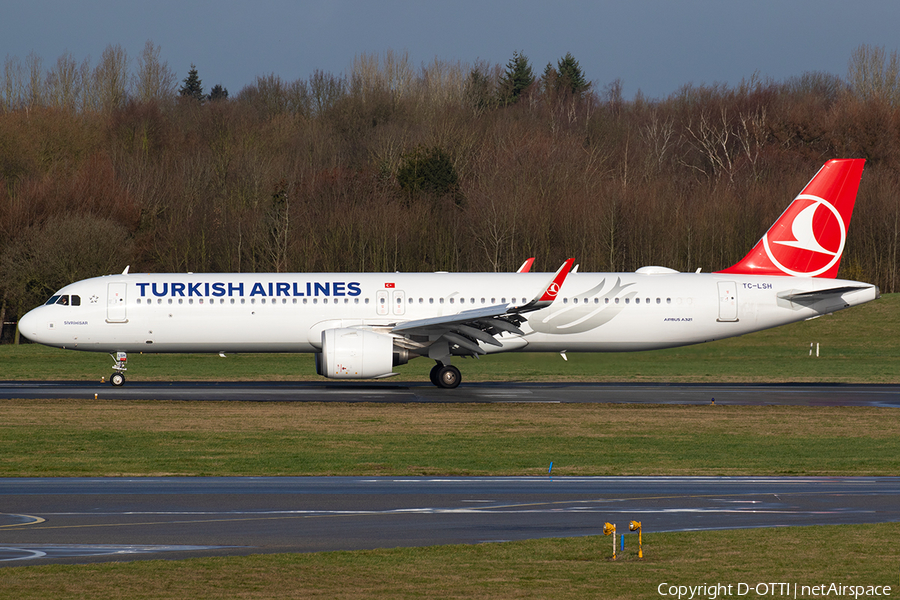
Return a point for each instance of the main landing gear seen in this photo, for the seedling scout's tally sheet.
(118, 377)
(445, 376)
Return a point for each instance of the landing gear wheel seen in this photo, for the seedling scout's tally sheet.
(434, 374)
(117, 379)
(448, 377)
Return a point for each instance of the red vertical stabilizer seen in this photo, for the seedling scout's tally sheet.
(808, 239)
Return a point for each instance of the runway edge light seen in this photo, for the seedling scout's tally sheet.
(610, 529)
(636, 526)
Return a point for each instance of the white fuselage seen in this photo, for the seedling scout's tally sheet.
(593, 312)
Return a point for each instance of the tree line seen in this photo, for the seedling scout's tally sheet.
(446, 166)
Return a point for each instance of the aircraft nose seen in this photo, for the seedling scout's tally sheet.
(29, 325)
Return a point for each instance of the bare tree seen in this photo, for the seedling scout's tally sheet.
(873, 76)
(13, 86)
(64, 83)
(154, 80)
(34, 90)
(111, 78)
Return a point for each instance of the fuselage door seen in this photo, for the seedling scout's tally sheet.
(381, 303)
(398, 301)
(728, 306)
(115, 303)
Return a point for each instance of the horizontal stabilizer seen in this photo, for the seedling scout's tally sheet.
(816, 296)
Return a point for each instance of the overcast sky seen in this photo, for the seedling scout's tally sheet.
(655, 45)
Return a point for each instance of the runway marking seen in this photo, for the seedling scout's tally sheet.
(34, 521)
(29, 554)
(35, 551)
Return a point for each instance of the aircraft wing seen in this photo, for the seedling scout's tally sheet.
(465, 329)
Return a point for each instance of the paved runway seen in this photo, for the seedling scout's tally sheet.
(89, 520)
(887, 395)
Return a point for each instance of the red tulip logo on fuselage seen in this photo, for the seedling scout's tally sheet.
(808, 239)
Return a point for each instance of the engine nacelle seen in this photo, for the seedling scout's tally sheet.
(357, 354)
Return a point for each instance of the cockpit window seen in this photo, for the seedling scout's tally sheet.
(65, 300)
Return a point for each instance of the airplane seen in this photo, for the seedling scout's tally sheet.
(362, 325)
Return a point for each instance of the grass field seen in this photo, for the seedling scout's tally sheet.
(103, 438)
(573, 568)
(96, 438)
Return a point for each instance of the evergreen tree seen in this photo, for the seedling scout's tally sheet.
(478, 90)
(218, 93)
(517, 78)
(570, 78)
(566, 79)
(549, 80)
(430, 171)
(192, 87)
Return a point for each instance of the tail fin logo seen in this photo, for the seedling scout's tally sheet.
(809, 241)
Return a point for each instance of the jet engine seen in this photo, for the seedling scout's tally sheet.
(358, 354)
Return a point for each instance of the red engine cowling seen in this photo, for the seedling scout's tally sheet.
(356, 354)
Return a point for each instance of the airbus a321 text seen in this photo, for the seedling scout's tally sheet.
(361, 325)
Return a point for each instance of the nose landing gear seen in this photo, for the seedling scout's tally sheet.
(118, 377)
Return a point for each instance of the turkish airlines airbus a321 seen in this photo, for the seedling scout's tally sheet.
(361, 325)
